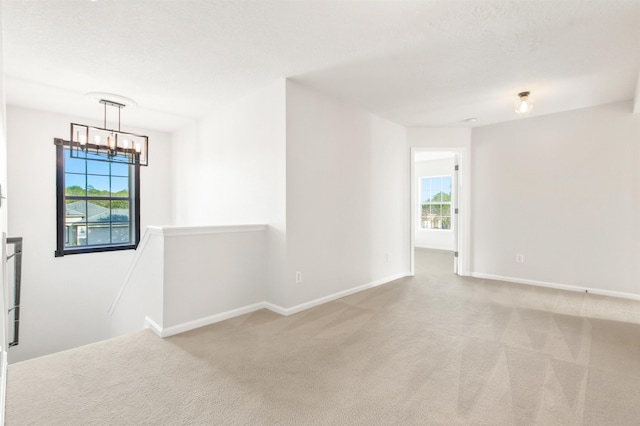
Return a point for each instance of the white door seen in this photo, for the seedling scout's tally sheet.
(455, 213)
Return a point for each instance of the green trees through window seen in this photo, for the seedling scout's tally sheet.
(435, 201)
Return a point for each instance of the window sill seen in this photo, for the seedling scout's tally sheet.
(94, 249)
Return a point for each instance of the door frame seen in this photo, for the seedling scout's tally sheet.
(463, 237)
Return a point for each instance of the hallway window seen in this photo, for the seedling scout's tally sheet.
(435, 202)
(98, 204)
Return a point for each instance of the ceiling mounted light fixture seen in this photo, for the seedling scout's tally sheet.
(114, 146)
(524, 103)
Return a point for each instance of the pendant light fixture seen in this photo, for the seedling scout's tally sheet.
(524, 103)
(103, 144)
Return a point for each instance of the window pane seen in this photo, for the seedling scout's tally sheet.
(446, 210)
(76, 211)
(120, 233)
(120, 186)
(437, 196)
(73, 165)
(97, 167)
(446, 184)
(119, 211)
(120, 218)
(75, 184)
(424, 212)
(436, 184)
(76, 234)
(446, 222)
(98, 186)
(424, 188)
(427, 222)
(75, 226)
(98, 211)
(98, 233)
(119, 169)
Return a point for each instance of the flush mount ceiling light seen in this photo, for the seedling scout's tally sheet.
(103, 144)
(524, 103)
(99, 96)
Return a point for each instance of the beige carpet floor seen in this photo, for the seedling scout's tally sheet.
(432, 349)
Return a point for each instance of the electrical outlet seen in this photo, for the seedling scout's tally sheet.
(298, 277)
(519, 258)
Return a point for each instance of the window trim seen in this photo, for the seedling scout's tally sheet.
(60, 210)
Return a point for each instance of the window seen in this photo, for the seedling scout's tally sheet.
(435, 202)
(98, 203)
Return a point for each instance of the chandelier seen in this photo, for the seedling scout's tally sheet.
(103, 144)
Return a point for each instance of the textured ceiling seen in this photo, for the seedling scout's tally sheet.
(418, 63)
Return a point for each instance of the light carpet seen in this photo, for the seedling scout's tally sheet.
(432, 349)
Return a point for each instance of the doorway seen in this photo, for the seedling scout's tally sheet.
(439, 200)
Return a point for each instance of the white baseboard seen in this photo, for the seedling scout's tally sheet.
(436, 248)
(212, 319)
(313, 303)
(153, 326)
(568, 287)
(201, 322)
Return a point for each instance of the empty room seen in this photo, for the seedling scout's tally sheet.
(320, 212)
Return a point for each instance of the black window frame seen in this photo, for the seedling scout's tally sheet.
(61, 209)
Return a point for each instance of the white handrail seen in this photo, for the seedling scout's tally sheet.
(145, 239)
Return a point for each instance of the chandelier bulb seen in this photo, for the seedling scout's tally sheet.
(112, 142)
(524, 103)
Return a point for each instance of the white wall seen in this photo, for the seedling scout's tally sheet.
(4, 305)
(439, 239)
(564, 190)
(347, 196)
(3, 141)
(211, 274)
(439, 137)
(230, 169)
(64, 300)
(239, 163)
